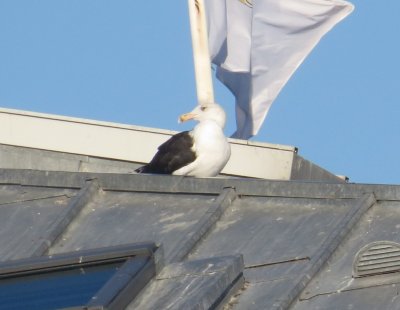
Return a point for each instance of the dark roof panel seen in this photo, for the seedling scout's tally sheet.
(126, 217)
(380, 223)
(298, 240)
(267, 230)
(26, 215)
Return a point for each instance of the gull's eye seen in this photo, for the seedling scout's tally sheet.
(203, 108)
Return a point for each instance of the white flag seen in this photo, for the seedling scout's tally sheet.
(257, 45)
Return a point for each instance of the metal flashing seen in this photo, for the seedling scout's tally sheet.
(86, 137)
(196, 284)
(178, 184)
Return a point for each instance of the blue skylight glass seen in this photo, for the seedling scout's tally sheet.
(55, 289)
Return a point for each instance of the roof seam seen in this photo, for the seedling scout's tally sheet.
(58, 227)
(328, 248)
(203, 226)
(33, 199)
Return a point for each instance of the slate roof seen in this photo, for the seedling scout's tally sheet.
(227, 243)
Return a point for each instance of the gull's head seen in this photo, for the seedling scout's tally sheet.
(211, 112)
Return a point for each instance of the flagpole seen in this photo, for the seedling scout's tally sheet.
(201, 54)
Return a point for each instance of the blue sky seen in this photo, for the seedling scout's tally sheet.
(131, 62)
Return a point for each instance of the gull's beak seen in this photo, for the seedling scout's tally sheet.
(186, 117)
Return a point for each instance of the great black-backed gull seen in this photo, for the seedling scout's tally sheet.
(201, 152)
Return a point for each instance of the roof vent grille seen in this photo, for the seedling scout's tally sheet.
(377, 258)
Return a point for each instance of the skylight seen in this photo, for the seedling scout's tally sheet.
(108, 277)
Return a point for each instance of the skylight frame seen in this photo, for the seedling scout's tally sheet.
(117, 292)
